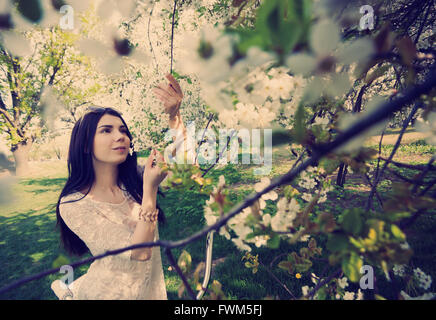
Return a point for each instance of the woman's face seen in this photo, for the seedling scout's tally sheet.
(111, 142)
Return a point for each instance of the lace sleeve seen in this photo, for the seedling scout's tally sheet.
(98, 233)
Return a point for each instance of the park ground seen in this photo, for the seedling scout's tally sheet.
(29, 241)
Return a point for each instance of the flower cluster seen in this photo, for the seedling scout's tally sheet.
(415, 277)
(311, 181)
(424, 280)
(246, 116)
(399, 270)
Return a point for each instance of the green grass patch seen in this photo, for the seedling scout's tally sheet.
(29, 241)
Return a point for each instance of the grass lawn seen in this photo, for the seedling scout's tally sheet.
(29, 242)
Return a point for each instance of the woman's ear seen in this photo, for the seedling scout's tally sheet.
(131, 149)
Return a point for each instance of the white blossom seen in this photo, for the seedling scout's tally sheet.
(425, 296)
(207, 54)
(424, 280)
(343, 283)
(348, 295)
(305, 290)
(399, 270)
(285, 215)
(307, 197)
(241, 245)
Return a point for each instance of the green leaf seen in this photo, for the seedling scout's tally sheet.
(286, 265)
(397, 233)
(185, 261)
(351, 266)
(357, 243)
(250, 39)
(337, 242)
(300, 123)
(278, 25)
(303, 266)
(395, 216)
(352, 221)
(330, 165)
(274, 242)
(322, 294)
(60, 261)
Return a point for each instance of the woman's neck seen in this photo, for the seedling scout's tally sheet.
(106, 177)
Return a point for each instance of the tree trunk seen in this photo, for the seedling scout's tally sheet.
(20, 152)
(342, 172)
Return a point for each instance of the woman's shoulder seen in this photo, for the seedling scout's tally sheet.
(72, 197)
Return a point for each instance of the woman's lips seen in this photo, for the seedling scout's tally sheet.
(120, 149)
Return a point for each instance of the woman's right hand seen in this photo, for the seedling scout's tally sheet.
(154, 171)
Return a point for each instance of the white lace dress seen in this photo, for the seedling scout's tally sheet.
(104, 226)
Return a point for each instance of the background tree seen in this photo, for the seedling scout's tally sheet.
(28, 80)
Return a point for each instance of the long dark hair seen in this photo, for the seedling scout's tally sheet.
(81, 173)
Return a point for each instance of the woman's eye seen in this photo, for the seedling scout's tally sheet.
(106, 130)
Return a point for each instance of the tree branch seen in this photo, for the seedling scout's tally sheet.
(408, 166)
(394, 150)
(371, 119)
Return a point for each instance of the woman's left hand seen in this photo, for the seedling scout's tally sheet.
(171, 95)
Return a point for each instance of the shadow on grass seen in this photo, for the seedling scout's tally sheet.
(29, 245)
(49, 184)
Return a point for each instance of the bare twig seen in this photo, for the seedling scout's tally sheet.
(376, 192)
(277, 280)
(323, 282)
(149, 39)
(202, 136)
(205, 171)
(408, 166)
(180, 273)
(172, 34)
(394, 150)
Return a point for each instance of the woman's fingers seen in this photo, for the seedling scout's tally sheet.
(150, 159)
(170, 90)
(160, 156)
(167, 89)
(161, 92)
(175, 85)
(165, 96)
(157, 156)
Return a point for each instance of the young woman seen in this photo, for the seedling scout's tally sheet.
(107, 203)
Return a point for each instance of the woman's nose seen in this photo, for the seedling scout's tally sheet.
(119, 136)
